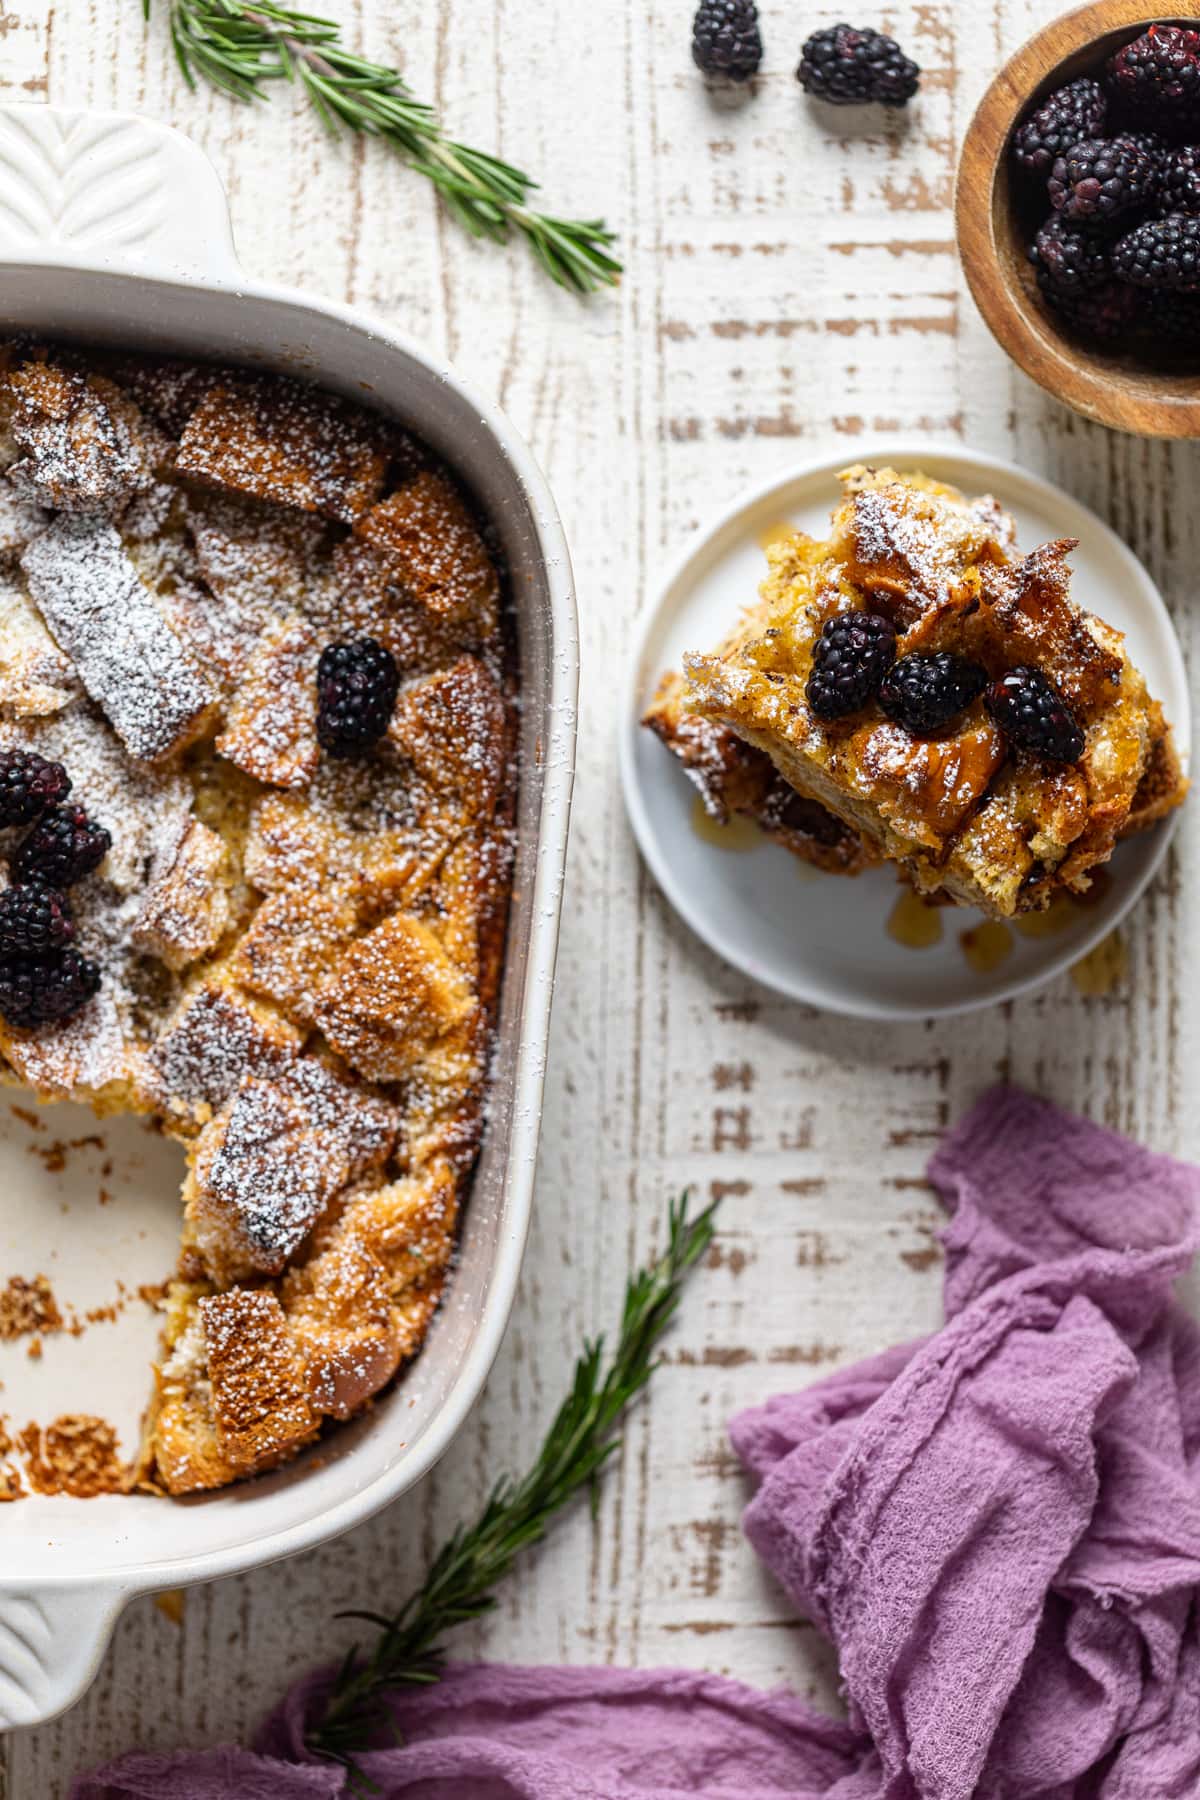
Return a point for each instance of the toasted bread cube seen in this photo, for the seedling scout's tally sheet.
(733, 778)
(166, 389)
(187, 1454)
(185, 910)
(291, 943)
(426, 531)
(1163, 786)
(408, 1225)
(370, 599)
(260, 1403)
(127, 656)
(87, 449)
(271, 726)
(443, 1114)
(471, 894)
(86, 1057)
(181, 1449)
(256, 563)
(389, 995)
(451, 726)
(257, 1185)
(276, 440)
(355, 821)
(19, 521)
(213, 1041)
(36, 679)
(339, 1309)
(268, 1165)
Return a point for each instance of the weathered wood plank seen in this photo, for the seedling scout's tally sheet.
(791, 283)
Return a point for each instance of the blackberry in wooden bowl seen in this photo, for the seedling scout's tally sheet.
(1077, 209)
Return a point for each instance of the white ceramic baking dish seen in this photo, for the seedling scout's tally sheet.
(114, 229)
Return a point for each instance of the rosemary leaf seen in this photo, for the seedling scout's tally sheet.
(460, 1585)
(241, 46)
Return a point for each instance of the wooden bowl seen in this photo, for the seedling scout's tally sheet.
(995, 220)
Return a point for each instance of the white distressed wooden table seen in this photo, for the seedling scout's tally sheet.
(788, 288)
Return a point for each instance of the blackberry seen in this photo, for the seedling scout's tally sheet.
(63, 847)
(1105, 313)
(44, 990)
(1068, 116)
(357, 686)
(34, 919)
(1162, 253)
(927, 693)
(1068, 260)
(1180, 188)
(847, 67)
(850, 658)
(1033, 716)
(1103, 177)
(1157, 76)
(726, 41)
(1175, 317)
(28, 785)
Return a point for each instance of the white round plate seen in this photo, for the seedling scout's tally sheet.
(824, 938)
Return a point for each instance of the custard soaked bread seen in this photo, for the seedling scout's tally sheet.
(257, 778)
(941, 696)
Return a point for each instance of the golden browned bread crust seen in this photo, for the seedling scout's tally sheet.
(734, 778)
(961, 813)
(301, 954)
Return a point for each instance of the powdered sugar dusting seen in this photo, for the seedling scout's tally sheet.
(162, 624)
(146, 813)
(268, 1166)
(101, 615)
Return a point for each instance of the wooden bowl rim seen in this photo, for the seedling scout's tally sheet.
(1103, 395)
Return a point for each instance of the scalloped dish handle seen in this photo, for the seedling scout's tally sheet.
(111, 191)
(51, 1642)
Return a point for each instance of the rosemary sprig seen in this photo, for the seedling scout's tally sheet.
(579, 1443)
(242, 45)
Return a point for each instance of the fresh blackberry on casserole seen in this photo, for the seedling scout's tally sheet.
(45, 990)
(33, 920)
(29, 784)
(1033, 715)
(63, 847)
(926, 694)
(852, 655)
(357, 686)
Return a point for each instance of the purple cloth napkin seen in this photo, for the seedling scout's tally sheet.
(998, 1527)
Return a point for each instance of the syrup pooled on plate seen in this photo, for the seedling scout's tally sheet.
(914, 922)
(986, 945)
(736, 833)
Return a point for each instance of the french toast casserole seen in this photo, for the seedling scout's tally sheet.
(257, 782)
(913, 689)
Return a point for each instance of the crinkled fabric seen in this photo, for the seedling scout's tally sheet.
(492, 1732)
(998, 1527)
